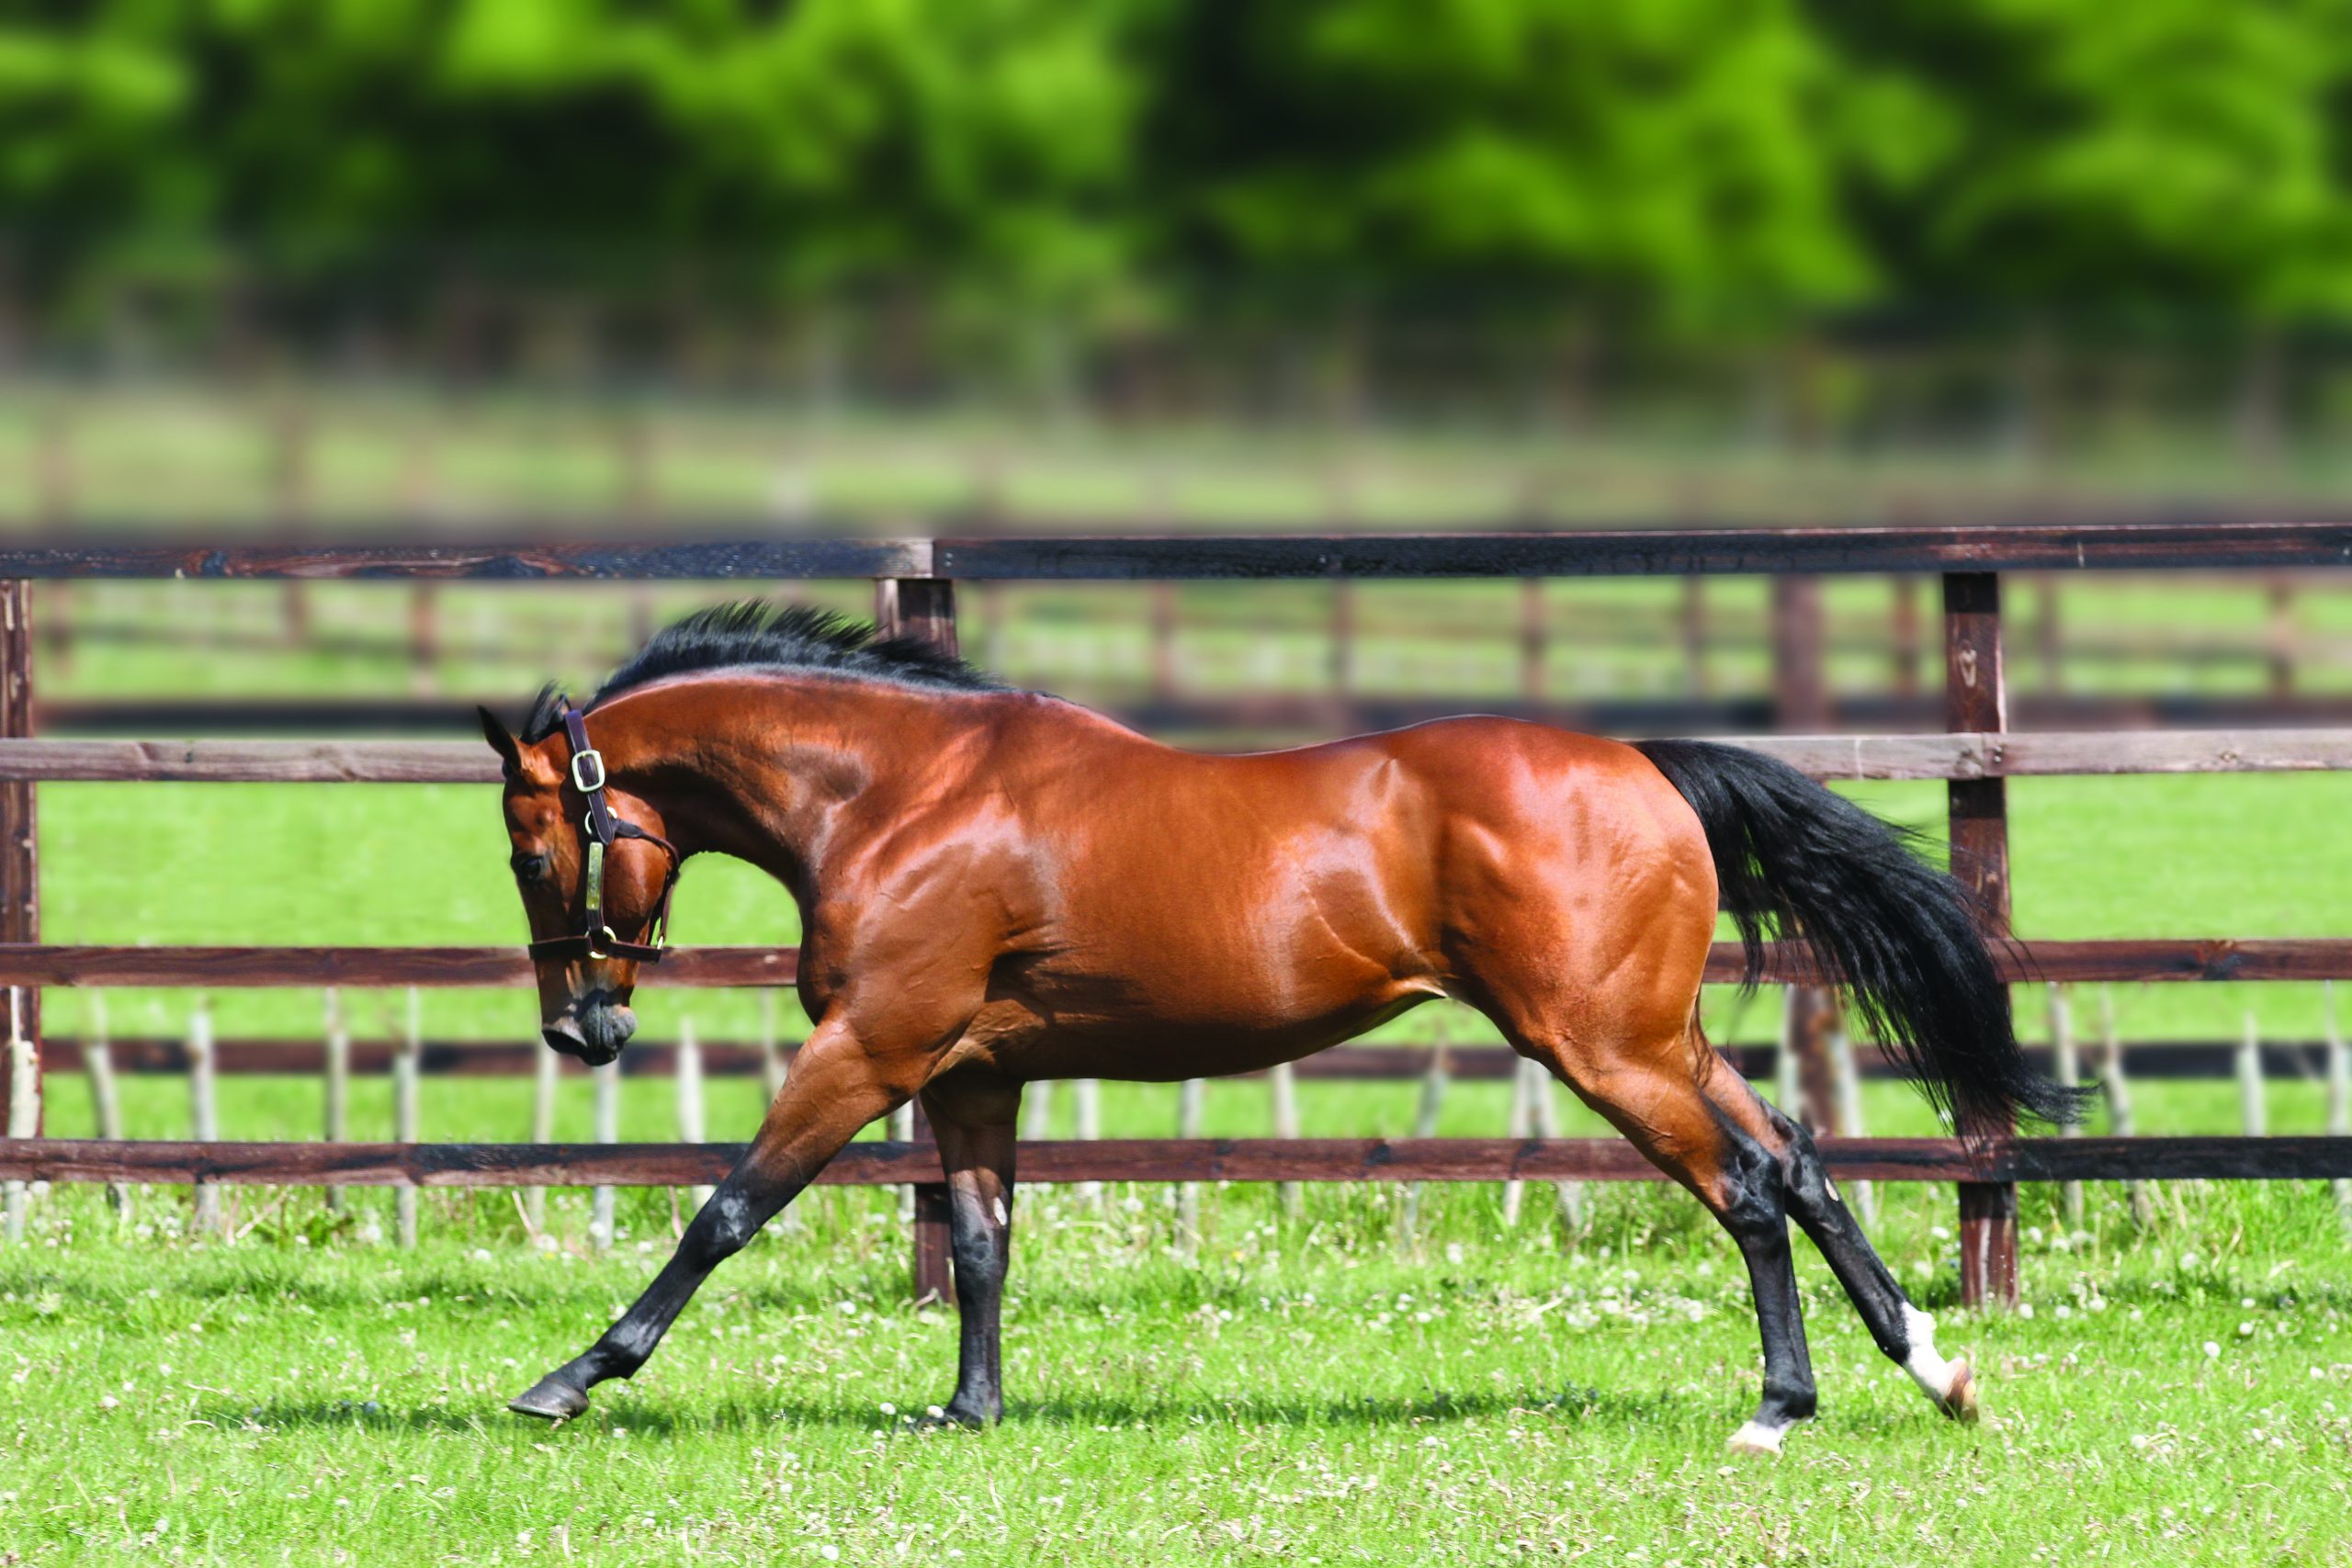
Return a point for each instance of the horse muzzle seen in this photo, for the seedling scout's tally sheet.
(593, 1031)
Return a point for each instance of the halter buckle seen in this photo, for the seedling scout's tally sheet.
(601, 941)
(588, 771)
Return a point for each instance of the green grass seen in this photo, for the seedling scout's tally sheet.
(1301, 1391)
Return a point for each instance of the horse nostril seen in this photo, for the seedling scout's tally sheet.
(608, 1028)
(564, 1036)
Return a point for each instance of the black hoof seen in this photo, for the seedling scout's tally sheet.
(958, 1417)
(551, 1399)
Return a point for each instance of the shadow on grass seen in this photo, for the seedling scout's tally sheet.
(1173, 1412)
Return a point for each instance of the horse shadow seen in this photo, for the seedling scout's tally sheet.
(648, 1420)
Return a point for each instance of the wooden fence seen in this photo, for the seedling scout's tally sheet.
(915, 592)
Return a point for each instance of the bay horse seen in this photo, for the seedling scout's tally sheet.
(996, 886)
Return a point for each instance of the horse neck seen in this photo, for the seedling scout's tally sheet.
(765, 767)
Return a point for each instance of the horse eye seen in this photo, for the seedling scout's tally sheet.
(529, 867)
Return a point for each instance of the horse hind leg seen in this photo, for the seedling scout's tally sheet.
(1905, 1334)
(1647, 1088)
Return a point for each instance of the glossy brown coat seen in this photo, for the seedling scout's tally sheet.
(1000, 886)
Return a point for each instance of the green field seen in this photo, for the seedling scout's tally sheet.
(1320, 1389)
(1300, 1391)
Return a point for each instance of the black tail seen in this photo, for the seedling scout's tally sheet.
(1900, 935)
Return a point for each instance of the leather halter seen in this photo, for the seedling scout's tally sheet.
(595, 939)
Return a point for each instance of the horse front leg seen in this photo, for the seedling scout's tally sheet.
(976, 1117)
(836, 1088)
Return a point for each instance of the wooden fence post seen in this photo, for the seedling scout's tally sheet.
(2339, 1093)
(1533, 640)
(19, 844)
(1976, 700)
(2253, 1112)
(106, 1099)
(1164, 605)
(338, 1081)
(2282, 638)
(24, 1105)
(1343, 635)
(691, 1122)
(1192, 1101)
(922, 607)
(544, 1068)
(2067, 1068)
(601, 1207)
(1846, 1101)
(1518, 1121)
(773, 1068)
(1543, 1122)
(1801, 706)
(1424, 1118)
(1089, 1130)
(203, 1112)
(1037, 1110)
(1694, 636)
(1787, 1092)
(1283, 1089)
(2118, 1086)
(407, 1056)
(1906, 649)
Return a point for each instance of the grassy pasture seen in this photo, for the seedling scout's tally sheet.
(1306, 1391)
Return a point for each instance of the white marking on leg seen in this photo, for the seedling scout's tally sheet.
(1757, 1437)
(1928, 1369)
(1829, 1186)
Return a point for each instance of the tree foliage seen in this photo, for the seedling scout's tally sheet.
(1689, 164)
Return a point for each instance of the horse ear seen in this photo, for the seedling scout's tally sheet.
(501, 740)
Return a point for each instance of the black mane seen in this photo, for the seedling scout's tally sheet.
(754, 635)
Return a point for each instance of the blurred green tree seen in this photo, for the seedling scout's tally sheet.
(1667, 159)
(820, 139)
(2164, 160)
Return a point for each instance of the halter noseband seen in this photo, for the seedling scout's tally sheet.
(595, 939)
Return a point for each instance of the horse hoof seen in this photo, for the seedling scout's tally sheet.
(954, 1419)
(550, 1399)
(1958, 1400)
(1756, 1438)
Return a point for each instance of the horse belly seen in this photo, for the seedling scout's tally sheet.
(1170, 1009)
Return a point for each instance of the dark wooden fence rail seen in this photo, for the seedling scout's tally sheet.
(2117, 960)
(1155, 1159)
(915, 591)
(2294, 1061)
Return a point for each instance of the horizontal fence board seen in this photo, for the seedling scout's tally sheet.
(247, 967)
(2206, 542)
(753, 552)
(746, 547)
(2130, 959)
(250, 1057)
(1947, 756)
(1300, 713)
(1152, 1160)
(249, 761)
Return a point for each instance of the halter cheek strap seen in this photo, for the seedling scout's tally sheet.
(601, 827)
